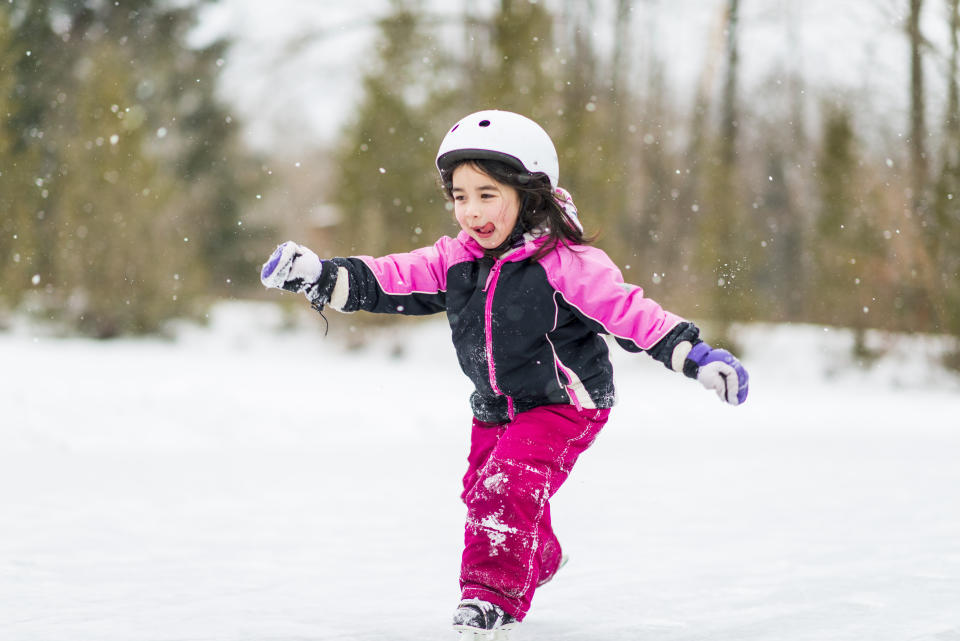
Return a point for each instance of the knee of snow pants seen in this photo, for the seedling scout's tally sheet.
(507, 532)
(483, 438)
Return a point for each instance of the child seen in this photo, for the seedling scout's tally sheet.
(527, 300)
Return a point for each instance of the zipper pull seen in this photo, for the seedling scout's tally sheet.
(493, 272)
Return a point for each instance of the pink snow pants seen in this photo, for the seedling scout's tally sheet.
(514, 469)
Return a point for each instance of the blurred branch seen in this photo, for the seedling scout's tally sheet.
(298, 45)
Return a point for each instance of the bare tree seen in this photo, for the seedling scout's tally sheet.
(621, 34)
(728, 118)
(918, 127)
(620, 105)
(721, 235)
(692, 186)
(791, 252)
(948, 189)
(953, 100)
(929, 234)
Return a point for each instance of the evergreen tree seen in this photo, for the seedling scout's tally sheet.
(519, 77)
(725, 234)
(124, 197)
(386, 189)
(850, 256)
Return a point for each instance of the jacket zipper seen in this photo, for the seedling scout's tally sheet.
(489, 287)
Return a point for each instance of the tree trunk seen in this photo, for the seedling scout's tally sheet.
(727, 243)
(729, 122)
(918, 128)
(951, 145)
(948, 220)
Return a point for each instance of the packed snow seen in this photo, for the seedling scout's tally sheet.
(251, 480)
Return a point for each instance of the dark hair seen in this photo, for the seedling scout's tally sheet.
(539, 207)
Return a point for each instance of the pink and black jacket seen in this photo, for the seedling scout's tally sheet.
(525, 332)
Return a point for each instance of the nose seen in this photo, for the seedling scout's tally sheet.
(472, 209)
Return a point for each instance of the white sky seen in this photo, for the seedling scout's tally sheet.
(300, 94)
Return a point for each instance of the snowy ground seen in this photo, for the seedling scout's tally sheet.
(250, 483)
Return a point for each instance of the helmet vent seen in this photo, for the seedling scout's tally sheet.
(498, 135)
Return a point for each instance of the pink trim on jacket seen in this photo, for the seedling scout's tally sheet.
(489, 289)
(589, 281)
(421, 271)
(585, 277)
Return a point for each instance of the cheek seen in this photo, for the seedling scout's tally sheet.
(459, 214)
(509, 212)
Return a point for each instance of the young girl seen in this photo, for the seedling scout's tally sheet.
(527, 300)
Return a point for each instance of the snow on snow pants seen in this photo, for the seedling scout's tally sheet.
(514, 469)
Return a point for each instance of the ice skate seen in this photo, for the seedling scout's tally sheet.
(478, 620)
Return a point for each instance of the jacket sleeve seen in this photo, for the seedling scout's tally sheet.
(593, 286)
(412, 283)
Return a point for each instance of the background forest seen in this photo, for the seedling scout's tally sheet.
(129, 195)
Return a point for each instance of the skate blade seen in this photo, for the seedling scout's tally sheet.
(472, 634)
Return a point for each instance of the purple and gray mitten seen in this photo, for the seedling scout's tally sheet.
(719, 370)
(295, 268)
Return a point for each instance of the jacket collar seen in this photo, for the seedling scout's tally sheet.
(530, 245)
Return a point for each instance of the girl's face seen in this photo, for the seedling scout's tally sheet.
(486, 209)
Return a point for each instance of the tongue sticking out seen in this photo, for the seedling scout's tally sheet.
(486, 229)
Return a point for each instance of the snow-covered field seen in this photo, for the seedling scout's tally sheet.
(250, 482)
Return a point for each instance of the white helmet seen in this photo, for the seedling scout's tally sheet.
(501, 135)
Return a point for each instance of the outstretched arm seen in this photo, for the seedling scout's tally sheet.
(413, 283)
(682, 350)
(593, 286)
